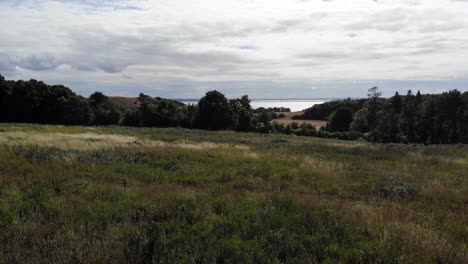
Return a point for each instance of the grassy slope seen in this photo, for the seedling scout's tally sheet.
(76, 194)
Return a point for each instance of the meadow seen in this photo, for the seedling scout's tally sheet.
(172, 195)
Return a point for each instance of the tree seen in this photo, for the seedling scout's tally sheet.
(4, 94)
(408, 117)
(397, 102)
(374, 93)
(98, 98)
(245, 121)
(340, 120)
(191, 113)
(74, 111)
(104, 111)
(160, 112)
(418, 98)
(427, 128)
(245, 102)
(449, 105)
(463, 124)
(387, 127)
(373, 106)
(214, 111)
(360, 121)
(264, 117)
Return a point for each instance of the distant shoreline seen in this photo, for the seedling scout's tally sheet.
(294, 105)
(268, 99)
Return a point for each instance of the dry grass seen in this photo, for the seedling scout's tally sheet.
(93, 141)
(331, 169)
(316, 123)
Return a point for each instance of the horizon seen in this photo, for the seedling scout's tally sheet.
(287, 48)
(266, 99)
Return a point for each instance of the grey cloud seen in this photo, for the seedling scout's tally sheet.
(247, 47)
(285, 25)
(182, 49)
(409, 19)
(325, 55)
(392, 20)
(34, 62)
(98, 49)
(38, 62)
(123, 4)
(6, 65)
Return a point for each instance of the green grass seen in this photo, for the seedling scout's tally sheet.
(147, 195)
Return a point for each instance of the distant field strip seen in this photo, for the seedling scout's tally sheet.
(316, 123)
(93, 141)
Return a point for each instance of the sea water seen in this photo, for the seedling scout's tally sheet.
(294, 104)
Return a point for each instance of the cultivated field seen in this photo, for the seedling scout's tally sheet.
(137, 195)
(287, 120)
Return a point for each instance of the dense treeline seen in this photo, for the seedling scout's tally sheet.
(323, 111)
(36, 102)
(428, 119)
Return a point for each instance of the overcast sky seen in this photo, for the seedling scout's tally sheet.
(264, 48)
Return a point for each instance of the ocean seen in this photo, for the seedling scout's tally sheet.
(294, 104)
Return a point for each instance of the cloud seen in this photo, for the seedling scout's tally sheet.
(5, 63)
(177, 46)
(40, 62)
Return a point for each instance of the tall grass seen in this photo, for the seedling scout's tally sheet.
(116, 194)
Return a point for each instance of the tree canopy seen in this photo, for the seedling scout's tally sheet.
(427, 119)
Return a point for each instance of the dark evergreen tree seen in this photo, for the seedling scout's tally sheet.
(407, 117)
(449, 105)
(397, 102)
(387, 127)
(428, 128)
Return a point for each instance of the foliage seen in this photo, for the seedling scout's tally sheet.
(105, 112)
(340, 120)
(426, 119)
(324, 111)
(359, 122)
(214, 112)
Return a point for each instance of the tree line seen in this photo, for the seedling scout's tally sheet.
(412, 118)
(36, 102)
(428, 119)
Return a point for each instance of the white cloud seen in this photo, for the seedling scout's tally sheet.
(306, 47)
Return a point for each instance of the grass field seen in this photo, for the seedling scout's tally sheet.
(141, 195)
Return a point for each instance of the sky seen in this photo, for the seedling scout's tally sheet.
(263, 48)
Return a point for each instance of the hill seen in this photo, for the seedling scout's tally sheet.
(155, 195)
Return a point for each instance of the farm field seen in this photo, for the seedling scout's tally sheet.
(154, 195)
(287, 120)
